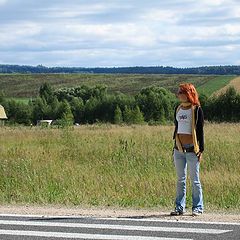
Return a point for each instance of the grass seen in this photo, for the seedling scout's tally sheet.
(27, 85)
(234, 83)
(214, 85)
(19, 99)
(111, 165)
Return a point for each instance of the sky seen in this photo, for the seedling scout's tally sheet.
(178, 33)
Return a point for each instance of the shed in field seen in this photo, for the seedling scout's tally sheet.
(3, 115)
(44, 122)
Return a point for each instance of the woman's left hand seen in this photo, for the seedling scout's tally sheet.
(199, 155)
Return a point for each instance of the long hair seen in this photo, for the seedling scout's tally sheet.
(191, 92)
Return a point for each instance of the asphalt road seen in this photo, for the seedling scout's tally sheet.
(70, 227)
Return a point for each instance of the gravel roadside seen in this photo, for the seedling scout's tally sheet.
(60, 210)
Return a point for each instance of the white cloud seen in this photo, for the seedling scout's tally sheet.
(75, 11)
(2, 2)
(214, 2)
(120, 32)
(18, 34)
(161, 15)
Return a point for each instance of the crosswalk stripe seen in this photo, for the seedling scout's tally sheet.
(176, 220)
(82, 235)
(114, 226)
(144, 219)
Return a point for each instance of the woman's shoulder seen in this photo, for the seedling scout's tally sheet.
(176, 108)
(199, 112)
(198, 107)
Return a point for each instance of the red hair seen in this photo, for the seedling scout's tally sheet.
(190, 91)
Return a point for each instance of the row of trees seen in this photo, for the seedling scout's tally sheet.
(218, 70)
(223, 108)
(86, 104)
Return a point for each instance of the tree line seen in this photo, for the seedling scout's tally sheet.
(84, 104)
(214, 70)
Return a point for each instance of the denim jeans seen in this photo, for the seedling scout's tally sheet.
(181, 161)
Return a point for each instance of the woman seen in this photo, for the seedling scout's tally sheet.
(188, 148)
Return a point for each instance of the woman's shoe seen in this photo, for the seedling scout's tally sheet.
(197, 212)
(176, 212)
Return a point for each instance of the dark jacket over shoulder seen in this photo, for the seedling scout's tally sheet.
(199, 123)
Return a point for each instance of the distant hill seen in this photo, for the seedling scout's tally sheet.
(27, 85)
(205, 70)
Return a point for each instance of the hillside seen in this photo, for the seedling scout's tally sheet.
(234, 83)
(27, 85)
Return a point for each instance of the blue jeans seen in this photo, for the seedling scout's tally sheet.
(181, 161)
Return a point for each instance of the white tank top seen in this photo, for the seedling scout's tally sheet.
(184, 118)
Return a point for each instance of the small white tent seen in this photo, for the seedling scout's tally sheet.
(2, 113)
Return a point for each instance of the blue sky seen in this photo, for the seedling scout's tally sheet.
(120, 32)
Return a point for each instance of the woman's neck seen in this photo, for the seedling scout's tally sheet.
(186, 105)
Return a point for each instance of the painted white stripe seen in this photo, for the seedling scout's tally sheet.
(114, 226)
(177, 220)
(146, 219)
(81, 235)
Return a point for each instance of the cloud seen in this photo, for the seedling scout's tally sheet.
(2, 2)
(119, 33)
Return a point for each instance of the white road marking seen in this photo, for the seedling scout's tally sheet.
(82, 235)
(114, 226)
(177, 220)
(145, 219)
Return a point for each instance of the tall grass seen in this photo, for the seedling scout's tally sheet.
(112, 165)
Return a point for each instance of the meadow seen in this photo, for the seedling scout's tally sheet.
(113, 165)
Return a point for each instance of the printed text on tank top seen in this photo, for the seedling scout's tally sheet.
(184, 118)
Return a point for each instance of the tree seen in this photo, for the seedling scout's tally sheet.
(39, 109)
(137, 115)
(156, 103)
(77, 107)
(91, 107)
(84, 92)
(225, 107)
(127, 115)
(65, 113)
(46, 92)
(18, 112)
(53, 108)
(118, 118)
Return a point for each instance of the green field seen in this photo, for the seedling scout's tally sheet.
(19, 99)
(112, 165)
(214, 85)
(27, 85)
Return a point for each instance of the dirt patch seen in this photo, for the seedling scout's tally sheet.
(58, 210)
(235, 83)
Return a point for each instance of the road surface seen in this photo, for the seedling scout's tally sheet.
(36, 227)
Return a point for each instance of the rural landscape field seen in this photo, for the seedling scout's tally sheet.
(120, 120)
(26, 86)
(106, 164)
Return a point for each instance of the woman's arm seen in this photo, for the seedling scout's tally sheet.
(175, 122)
(200, 131)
